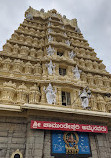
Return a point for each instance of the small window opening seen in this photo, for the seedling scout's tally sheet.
(16, 156)
(62, 71)
(60, 54)
(66, 100)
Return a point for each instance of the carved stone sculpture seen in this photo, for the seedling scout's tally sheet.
(7, 94)
(76, 72)
(67, 42)
(101, 103)
(51, 68)
(28, 68)
(6, 64)
(50, 51)
(15, 49)
(22, 94)
(17, 66)
(50, 38)
(72, 54)
(85, 98)
(34, 95)
(50, 94)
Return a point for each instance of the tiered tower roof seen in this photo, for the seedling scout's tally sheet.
(49, 51)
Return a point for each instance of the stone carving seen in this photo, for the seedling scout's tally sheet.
(72, 54)
(50, 94)
(67, 42)
(76, 72)
(85, 96)
(15, 49)
(22, 94)
(49, 24)
(32, 53)
(7, 47)
(51, 68)
(21, 38)
(34, 95)
(6, 64)
(29, 16)
(24, 50)
(28, 68)
(7, 94)
(18, 66)
(101, 103)
(49, 30)
(37, 69)
(50, 38)
(50, 51)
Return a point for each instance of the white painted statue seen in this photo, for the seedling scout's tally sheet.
(50, 94)
(50, 51)
(49, 24)
(76, 72)
(29, 16)
(67, 42)
(85, 96)
(50, 38)
(72, 54)
(49, 30)
(51, 68)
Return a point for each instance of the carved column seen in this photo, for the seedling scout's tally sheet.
(28, 68)
(93, 103)
(59, 99)
(44, 71)
(43, 96)
(8, 91)
(22, 94)
(34, 95)
(101, 103)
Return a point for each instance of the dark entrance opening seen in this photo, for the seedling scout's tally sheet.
(17, 156)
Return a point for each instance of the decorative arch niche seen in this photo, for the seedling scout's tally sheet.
(17, 154)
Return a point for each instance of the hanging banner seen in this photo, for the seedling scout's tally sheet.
(47, 125)
(70, 143)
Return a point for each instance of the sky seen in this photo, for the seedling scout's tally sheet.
(93, 18)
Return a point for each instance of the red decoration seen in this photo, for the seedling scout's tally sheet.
(47, 125)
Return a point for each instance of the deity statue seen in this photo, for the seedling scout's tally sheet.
(50, 51)
(72, 54)
(49, 24)
(85, 96)
(29, 16)
(50, 38)
(76, 72)
(50, 94)
(51, 68)
(67, 42)
(49, 30)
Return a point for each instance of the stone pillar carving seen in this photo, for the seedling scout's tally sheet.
(15, 49)
(44, 70)
(93, 103)
(101, 103)
(18, 66)
(37, 69)
(34, 95)
(28, 68)
(6, 64)
(90, 79)
(7, 94)
(43, 96)
(22, 94)
(59, 99)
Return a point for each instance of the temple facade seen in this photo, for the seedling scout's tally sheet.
(55, 94)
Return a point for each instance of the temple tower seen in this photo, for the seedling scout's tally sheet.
(48, 72)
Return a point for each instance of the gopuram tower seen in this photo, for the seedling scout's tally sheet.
(55, 94)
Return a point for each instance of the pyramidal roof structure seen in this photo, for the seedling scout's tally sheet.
(47, 64)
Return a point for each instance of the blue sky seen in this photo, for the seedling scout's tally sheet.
(93, 19)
